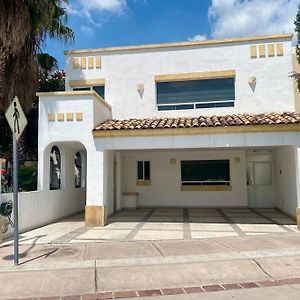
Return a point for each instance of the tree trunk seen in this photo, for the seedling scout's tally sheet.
(18, 67)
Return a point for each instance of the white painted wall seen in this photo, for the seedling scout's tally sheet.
(71, 137)
(285, 166)
(296, 68)
(40, 208)
(165, 179)
(123, 70)
(108, 185)
(211, 141)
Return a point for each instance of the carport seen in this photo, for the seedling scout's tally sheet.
(220, 167)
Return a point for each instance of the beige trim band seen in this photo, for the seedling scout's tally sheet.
(287, 36)
(74, 93)
(86, 82)
(143, 182)
(197, 130)
(195, 75)
(206, 188)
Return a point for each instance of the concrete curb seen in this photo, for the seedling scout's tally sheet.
(175, 290)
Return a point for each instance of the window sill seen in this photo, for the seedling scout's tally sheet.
(208, 188)
(143, 182)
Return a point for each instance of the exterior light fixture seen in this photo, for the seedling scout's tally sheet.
(173, 161)
(237, 160)
(252, 82)
(140, 89)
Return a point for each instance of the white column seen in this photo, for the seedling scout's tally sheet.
(297, 163)
(119, 180)
(95, 211)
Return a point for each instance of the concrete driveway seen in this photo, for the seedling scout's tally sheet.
(154, 224)
(182, 252)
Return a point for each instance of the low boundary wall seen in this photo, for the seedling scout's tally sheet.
(40, 208)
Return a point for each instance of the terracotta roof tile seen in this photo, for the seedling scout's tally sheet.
(201, 121)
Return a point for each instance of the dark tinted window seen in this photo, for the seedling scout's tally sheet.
(195, 172)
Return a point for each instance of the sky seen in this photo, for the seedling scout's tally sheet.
(108, 23)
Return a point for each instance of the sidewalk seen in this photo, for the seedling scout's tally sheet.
(110, 269)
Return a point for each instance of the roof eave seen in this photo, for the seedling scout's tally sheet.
(197, 130)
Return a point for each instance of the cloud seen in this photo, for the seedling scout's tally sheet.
(87, 29)
(96, 11)
(111, 6)
(233, 18)
(71, 10)
(198, 37)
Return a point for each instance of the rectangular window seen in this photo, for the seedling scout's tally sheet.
(205, 172)
(143, 170)
(195, 94)
(99, 89)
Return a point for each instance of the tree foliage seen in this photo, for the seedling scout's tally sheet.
(24, 26)
(296, 75)
(46, 63)
(52, 82)
(297, 29)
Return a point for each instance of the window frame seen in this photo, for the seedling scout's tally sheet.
(51, 169)
(193, 105)
(145, 179)
(209, 184)
(80, 168)
(89, 88)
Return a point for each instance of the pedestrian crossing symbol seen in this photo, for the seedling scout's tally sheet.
(16, 118)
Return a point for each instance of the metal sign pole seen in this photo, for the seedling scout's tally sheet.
(17, 122)
(15, 203)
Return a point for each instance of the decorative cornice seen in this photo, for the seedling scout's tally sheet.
(287, 36)
(74, 93)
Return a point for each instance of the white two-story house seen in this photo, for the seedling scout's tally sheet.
(191, 124)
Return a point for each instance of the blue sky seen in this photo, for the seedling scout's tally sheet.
(105, 23)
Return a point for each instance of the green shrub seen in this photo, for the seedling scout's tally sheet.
(27, 178)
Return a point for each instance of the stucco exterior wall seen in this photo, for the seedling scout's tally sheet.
(166, 178)
(71, 136)
(40, 208)
(287, 180)
(296, 68)
(123, 70)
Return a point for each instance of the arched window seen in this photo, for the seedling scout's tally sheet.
(55, 169)
(78, 170)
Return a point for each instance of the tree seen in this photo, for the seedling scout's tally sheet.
(47, 63)
(24, 26)
(296, 75)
